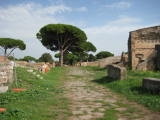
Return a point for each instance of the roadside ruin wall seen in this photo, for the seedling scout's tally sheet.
(33, 65)
(6, 76)
(102, 62)
(141, 47)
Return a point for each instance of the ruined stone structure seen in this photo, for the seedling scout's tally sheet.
(117, 72)
(141, 48)
(6, 76)
(124, 59)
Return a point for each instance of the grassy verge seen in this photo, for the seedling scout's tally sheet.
(42, 100)
(131, 87)
(110, 114)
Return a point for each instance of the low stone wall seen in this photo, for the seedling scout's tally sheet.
(109, 60)
(96, 63)
(117, 72)
(102, 62)
(36, 66)
(151, 84)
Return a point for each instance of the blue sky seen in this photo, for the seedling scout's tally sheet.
(107, 23)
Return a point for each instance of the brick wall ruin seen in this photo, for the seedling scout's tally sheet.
(141, 47)
(6, 76)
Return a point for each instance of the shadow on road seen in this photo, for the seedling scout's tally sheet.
(104, 80)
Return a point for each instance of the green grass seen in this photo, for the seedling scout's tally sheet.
(110, 114)
(131, 88)
(42, 100)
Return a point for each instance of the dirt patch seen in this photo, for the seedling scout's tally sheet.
(89, 101)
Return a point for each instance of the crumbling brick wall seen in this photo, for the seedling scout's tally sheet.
(141, 46)
(6, 76)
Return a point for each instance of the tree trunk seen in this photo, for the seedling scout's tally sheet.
(5, 52)
(61, 58)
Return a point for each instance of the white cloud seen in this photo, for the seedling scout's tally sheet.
(113, 36)
(23, 21)
(82, 9)
(119, 5)
(125, 20)
(52, 10)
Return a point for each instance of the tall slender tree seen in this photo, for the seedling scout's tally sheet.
(61, 37)
(11, 44)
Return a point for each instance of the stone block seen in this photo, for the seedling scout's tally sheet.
(117, 72)
(3, 80)
(3, 73)
(151, 84)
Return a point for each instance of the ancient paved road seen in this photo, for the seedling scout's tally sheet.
(89, 101)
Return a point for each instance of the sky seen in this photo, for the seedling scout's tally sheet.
(107, 23)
